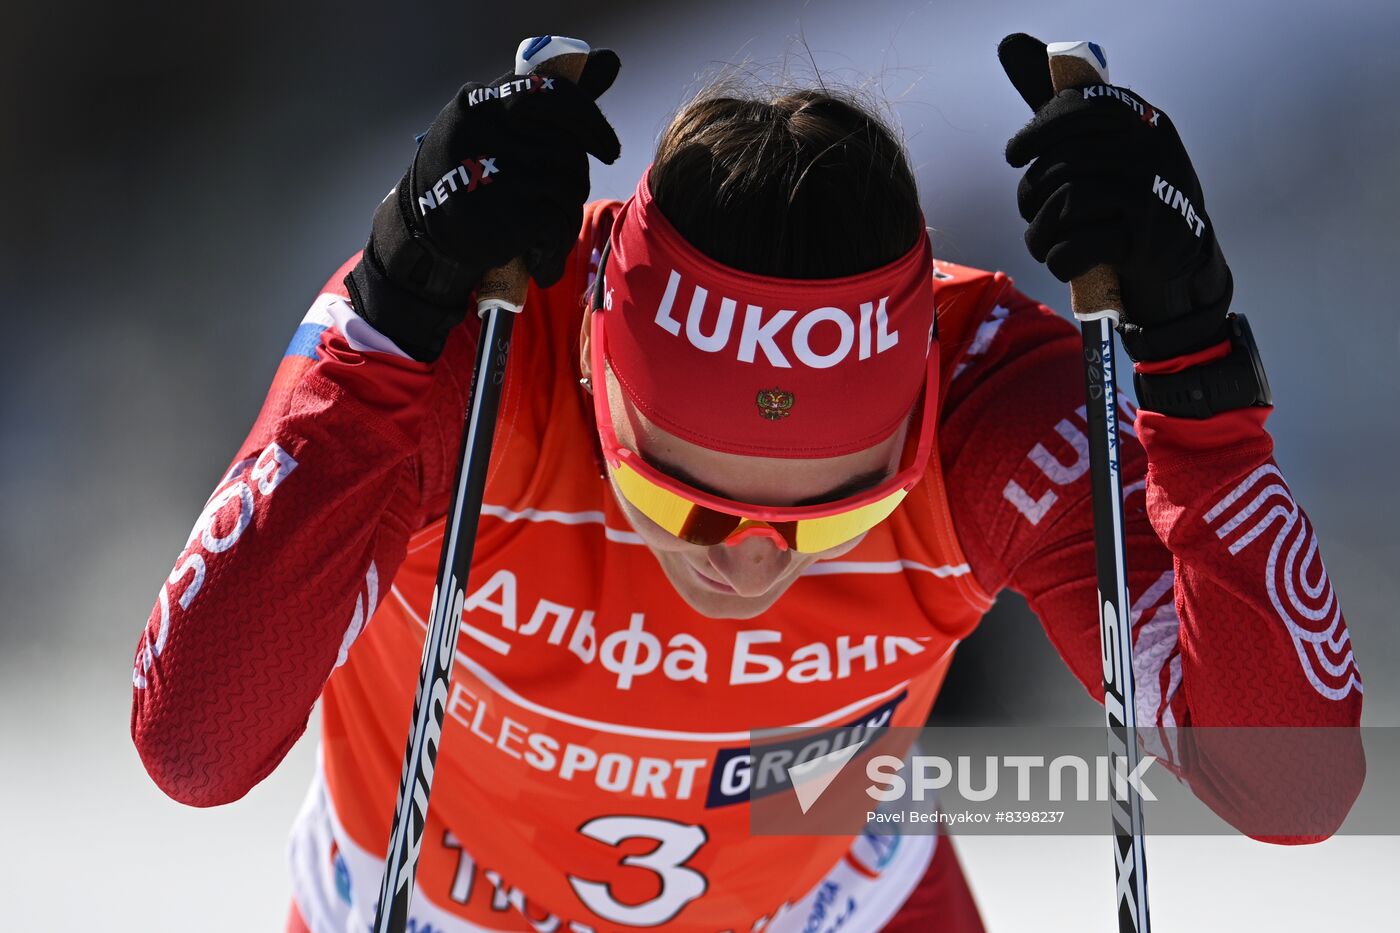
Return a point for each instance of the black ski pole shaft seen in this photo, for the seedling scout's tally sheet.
(1097, 303)
(444, 624)
(501, 294)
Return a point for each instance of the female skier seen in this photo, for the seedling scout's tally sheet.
(762, 460)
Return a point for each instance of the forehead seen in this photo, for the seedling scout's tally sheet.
(743, 478)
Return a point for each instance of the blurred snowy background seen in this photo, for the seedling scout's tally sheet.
(180, 178)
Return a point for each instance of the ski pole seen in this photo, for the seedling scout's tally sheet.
(1097, 303)
(500, 296)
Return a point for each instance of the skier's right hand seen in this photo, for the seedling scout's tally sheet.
(502, 172)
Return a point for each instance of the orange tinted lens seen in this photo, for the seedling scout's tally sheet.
(707, 527)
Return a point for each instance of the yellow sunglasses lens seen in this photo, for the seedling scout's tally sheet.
(664, 507)
(820, 534)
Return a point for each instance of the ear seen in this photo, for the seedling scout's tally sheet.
(585, 349)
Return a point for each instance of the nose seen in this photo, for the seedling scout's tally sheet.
(752, 564)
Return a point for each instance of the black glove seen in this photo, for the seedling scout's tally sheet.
(1111, 183)
(502, 172)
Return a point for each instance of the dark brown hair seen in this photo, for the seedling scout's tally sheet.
(805, 184)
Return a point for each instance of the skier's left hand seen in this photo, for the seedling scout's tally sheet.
(1110, 182)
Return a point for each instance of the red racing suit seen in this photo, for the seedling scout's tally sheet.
(587, 776)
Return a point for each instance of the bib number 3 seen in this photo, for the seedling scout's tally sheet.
(680, 884)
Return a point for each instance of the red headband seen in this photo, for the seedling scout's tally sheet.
(748, 364)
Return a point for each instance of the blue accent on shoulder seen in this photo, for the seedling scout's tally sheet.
(1098, 53)
(535, 45)
(342, 878)
(417, 140)
(305, 341)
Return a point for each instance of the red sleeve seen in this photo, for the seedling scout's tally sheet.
(1235, 622)
(354, 449)
(286, 561)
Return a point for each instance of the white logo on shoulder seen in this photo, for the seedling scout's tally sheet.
(1295, 578)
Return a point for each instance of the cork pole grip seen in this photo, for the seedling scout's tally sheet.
(1094, 294)
(509, 282)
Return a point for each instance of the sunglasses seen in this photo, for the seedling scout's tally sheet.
(705, 519)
